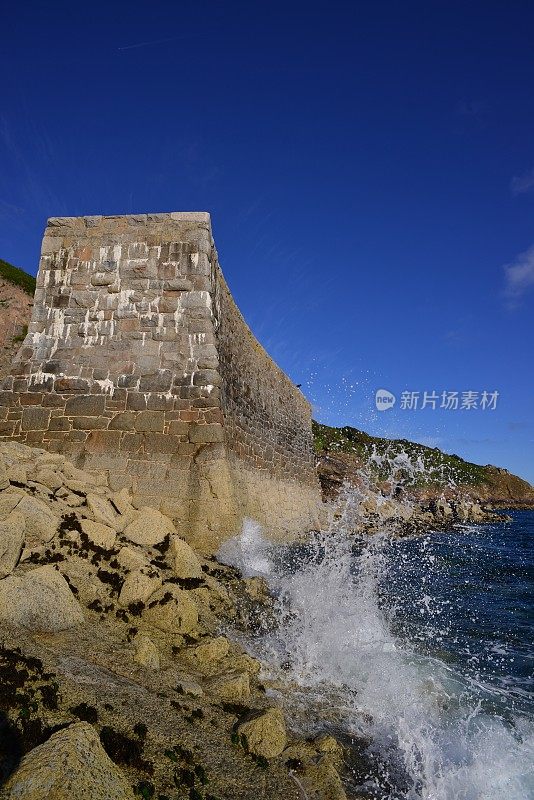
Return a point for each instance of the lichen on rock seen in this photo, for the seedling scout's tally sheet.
(265, 733)
(149, 527)
(126, 637)
(11, 542)
(71, 765)
(39, 600)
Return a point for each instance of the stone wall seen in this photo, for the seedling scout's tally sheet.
(138, 363)
(265, 417)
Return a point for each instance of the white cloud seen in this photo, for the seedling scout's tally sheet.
(522, 184)
(519, 275)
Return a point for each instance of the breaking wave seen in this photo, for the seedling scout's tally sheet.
(406, 651)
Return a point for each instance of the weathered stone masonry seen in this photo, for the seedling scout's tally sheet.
(138, 363)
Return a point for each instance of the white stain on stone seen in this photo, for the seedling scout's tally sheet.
(107, 386)
(178, 314)
(124, 301)
(56, 329)
(37, 337)
(40, 377)
(206, 296)
(95, 329)
(193, 360)
(85, 324)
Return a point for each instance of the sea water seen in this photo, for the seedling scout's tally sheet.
(416, 653)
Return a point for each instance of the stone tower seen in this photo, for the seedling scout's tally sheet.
(138, 363)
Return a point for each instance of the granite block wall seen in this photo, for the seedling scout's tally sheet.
(138, 363)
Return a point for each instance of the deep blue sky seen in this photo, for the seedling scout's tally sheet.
(369, 167)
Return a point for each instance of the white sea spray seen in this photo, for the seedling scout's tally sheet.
(337, 661)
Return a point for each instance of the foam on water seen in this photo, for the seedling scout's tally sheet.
(338, 661)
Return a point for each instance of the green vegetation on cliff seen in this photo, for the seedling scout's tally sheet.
(17, 276)
(440, 467)
(343, 452)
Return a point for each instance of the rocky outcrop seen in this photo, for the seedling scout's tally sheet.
(71, 765)
(39, 600)
(112, 660)
(401, 512)
(265, 734)
(347, 455)
(16, 301)
(11, 542)
(409, 488)
(502, 489)
(149, 527)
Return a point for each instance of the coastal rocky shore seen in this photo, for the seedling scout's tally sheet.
(409, 489)
(121, 666)
(119, 675)
(401, 512)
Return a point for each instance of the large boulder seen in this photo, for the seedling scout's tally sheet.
(102, 510)
(131, 559)
(149, 527)
(71, 765)
(208, 652)
(265, 733)
(322, 782)
(9, 500)
(4, 477)
(99, 534)
(146, 653)
(11, 542)
(172, 610)
(39, 600)
(40, 521)
(139, 586)
(184, 559)
(122, 502)
(233, 687)
(48, 477)
(17, 473)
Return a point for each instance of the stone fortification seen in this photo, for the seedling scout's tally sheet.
(137, 363)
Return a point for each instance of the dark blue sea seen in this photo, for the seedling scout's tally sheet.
(467, 598)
